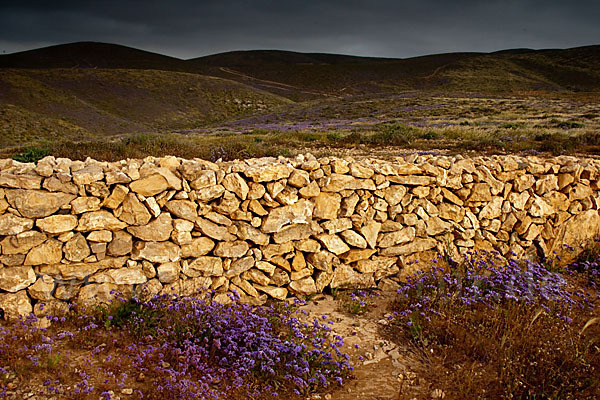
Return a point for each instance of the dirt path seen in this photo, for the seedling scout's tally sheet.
(273, 84)
(382, 370)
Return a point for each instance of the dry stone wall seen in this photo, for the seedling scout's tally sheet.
(73, 231)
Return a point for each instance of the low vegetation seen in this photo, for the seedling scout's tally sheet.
(173, 348)
(494, 329)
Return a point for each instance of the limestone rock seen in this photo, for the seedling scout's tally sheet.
(37, 203)
(299, 213)
(121, 244)
(333, 243)
(547, 183)
(577, 231)
(394, 194)
(273, 250)
(239, 266)
(49, 252)
(327, 205)
(307, 246)
(150, 185)
(203, 179)
(231, 249)
(157, 230)
(492, 210)
(278, 293)
(451, 212)
(265, 171)
(345, 276)
(540, 208)
(42, 288)
(198, 247)
(357, 254)
(359, 171)
(248, 232)
(120, 276)
(339, 182)
(304, 286)
(116, 197)
(206, 266)
(354, 239)
(321, 260)
(518, 200)
(236, 184)
(292, 233)
(103, 293)
(158, 252)
(404, 235)
(76, 248)
(370, 231)
(480, 192)
(524, 182)
(133, 212)
(580, 192)
(412, 180)
(337, 225)
(168, 272)
(88, 174)
(20, 181)
(100, 236)
(85, 204)
(15, 305)
(183, 209)
(99, 220)
(22, 242)
(310, 190)
(12, 225)
(57, 223)
(416, 246)
(299, 178)
(13, 279)
(213, 230)
(375, 264)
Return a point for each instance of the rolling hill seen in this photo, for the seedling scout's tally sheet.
(88, 90)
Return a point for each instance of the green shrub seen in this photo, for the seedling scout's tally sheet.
(33, 154)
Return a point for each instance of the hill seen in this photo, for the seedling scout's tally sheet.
(508, 71)
(90, 90)
(90, 55)
(83, 103)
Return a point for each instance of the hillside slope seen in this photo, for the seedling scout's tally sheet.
(521, 70)
(96, 102)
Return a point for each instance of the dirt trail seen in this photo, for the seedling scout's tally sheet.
(382, 370)
(273, 84)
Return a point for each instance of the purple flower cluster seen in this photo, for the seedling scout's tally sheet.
(184, 347)
(358, 301)
(200, 348)
(485, 278)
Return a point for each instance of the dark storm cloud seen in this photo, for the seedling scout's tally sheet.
(191, 28)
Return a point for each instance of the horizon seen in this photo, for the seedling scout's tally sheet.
(382, 28)
(292, 51)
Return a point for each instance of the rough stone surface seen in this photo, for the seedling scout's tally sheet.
(57, 223)
(150, 185)
(13, 279)
(12, 225)
(157, 230)
(22, 242)
(15, 305)
(37, 203)
(99, 220)
(275, 227)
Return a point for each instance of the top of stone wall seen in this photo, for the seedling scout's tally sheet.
(15, 174)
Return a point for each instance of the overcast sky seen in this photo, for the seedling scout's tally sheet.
(192, 28)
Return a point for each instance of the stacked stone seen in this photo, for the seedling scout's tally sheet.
(73, 231)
